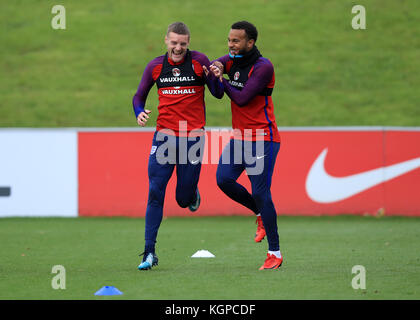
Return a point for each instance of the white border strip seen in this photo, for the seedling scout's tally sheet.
(151, 129)
(350, 128)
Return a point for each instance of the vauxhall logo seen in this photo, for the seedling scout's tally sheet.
(176, 90)
(177, 78)
(236, 83)
(176, 72)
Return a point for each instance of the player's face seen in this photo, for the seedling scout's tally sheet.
(238, 42)
(177, 45)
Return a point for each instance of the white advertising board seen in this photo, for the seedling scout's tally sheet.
(38, 172)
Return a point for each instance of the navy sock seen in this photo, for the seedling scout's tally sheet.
(149, 248)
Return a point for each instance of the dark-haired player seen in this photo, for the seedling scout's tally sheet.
(250, 85)
(180, 81)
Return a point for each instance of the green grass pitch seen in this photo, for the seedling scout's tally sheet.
(319, 255)
(327, 74)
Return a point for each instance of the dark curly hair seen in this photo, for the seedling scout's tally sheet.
(250, 29)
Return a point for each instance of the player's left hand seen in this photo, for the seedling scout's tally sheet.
(143, 117)
(217, 69)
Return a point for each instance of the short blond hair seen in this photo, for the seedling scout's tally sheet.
(178, 28)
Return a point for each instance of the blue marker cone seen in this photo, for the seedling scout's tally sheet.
(108, 291)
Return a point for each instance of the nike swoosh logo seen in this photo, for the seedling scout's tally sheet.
(324, 188)
(195, 161)
(260, 157)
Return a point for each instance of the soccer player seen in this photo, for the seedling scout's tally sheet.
(179, 137)
(250, 84)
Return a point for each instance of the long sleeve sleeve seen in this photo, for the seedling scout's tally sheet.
(211, 81)
(215, 86)
(259, 79)
(146, 83)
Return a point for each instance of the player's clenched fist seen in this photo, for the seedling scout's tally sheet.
(218, 64)
(217, 69)
(143, 117)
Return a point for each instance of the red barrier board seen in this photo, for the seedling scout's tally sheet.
(402, 195)
(318, 172)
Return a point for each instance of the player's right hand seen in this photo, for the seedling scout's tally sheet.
(217, 69)
(219, 65)
(143, 117)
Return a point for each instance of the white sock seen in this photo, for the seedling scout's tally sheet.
(259, 215)
(276, 253)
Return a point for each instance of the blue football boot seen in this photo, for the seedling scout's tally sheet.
(149, 260)
(196, 204)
